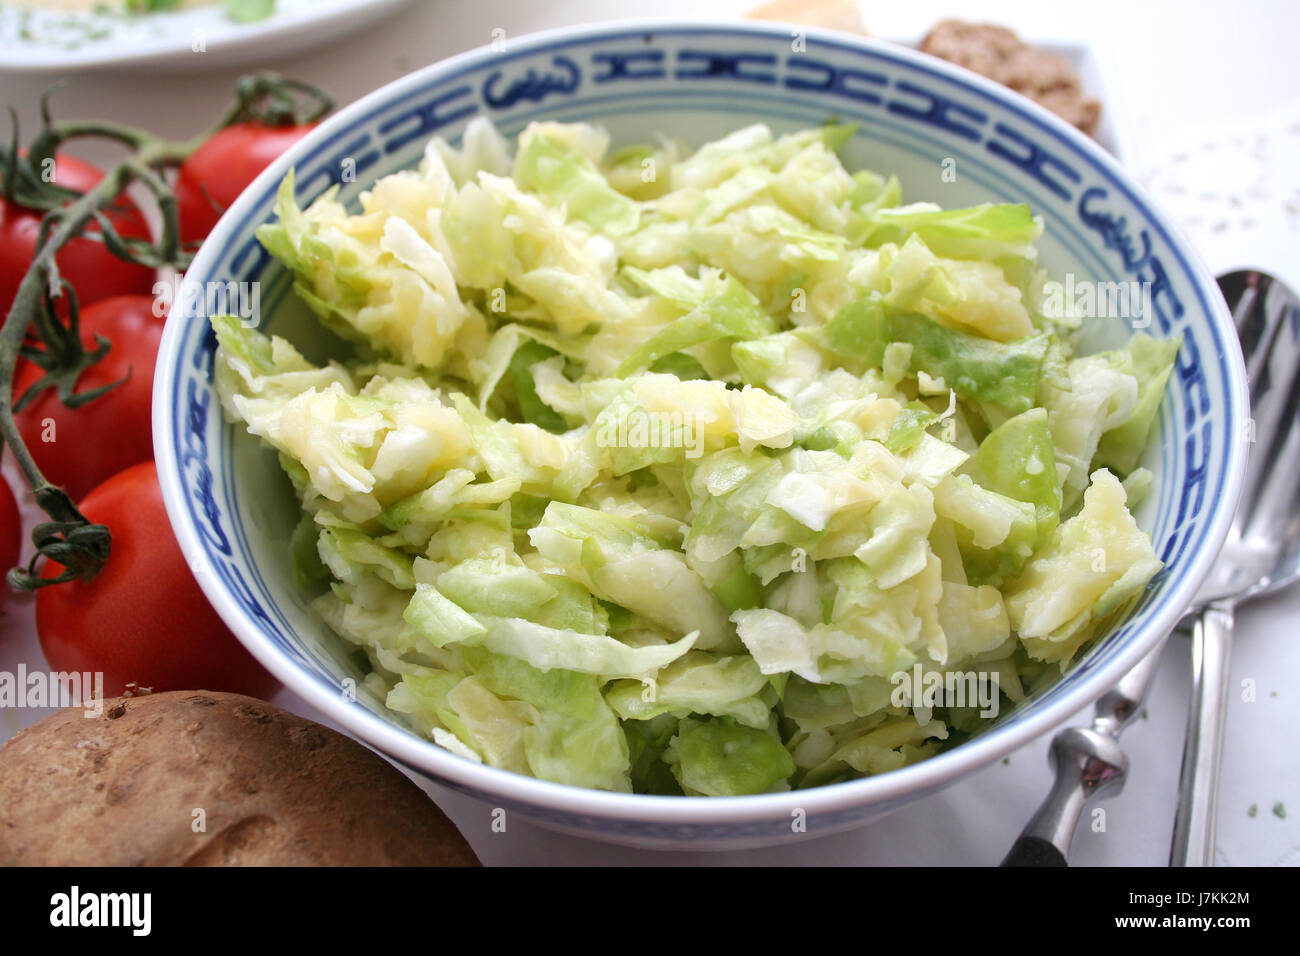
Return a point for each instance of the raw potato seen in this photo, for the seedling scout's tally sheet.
(274, 789)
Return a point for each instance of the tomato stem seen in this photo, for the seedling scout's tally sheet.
(69, 538)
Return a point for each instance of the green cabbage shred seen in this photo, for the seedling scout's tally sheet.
(654, 469)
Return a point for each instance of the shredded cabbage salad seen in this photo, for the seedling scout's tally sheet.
(653, 470)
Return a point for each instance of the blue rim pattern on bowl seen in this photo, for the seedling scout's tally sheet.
(744, 69)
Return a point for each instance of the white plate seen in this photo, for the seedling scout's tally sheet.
(199, 38)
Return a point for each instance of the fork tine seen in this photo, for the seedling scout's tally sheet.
(1256, 329)
(1249, 318)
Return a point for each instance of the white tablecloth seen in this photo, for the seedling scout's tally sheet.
(1177, 77)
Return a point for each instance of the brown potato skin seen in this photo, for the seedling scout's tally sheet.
(999, 54)
(121, 789)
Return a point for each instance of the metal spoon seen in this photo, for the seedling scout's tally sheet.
(1262, 552)
(1088, 762)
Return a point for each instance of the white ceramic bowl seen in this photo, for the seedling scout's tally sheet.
(233, 510)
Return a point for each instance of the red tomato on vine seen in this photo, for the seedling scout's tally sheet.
(11, 535)
(219, 170)
(143, 619)
(77, 448)
(94, 272)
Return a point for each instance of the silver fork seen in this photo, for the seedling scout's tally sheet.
(1262, 553)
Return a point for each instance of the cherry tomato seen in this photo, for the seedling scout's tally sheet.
(143, 618)
(93, 271)
(219, 170)
(77, 448)
(11, 532)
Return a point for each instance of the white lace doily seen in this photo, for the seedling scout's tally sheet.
(1235, 190)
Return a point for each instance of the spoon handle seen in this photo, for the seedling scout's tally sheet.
(1198, 784)
(1087, 762)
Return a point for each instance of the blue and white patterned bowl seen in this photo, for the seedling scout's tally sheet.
(233, 511)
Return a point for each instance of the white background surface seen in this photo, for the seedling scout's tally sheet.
(1173, 70)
